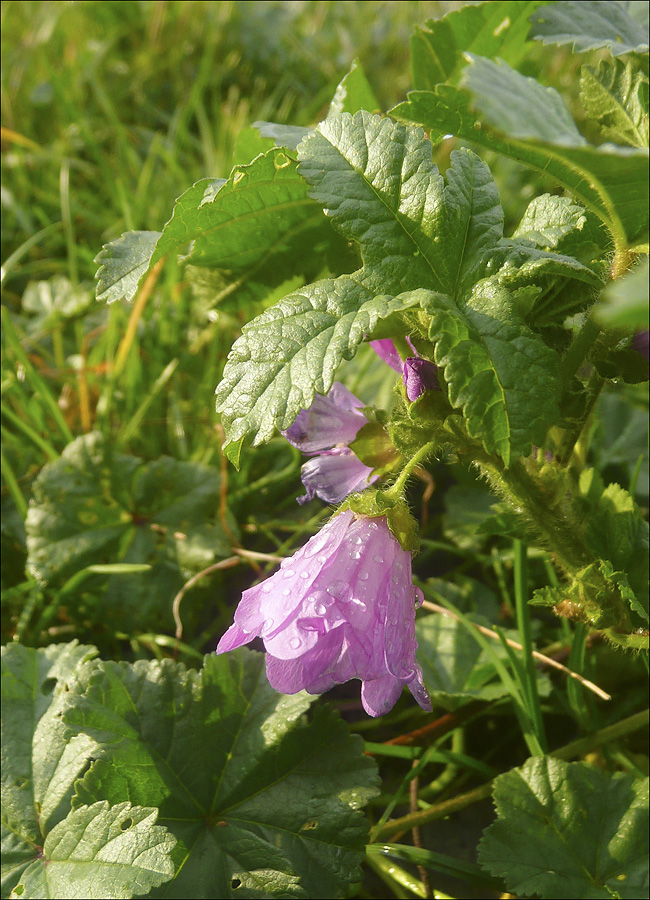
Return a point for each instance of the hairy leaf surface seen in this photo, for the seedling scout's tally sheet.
(590, 25)
(502, 375)
(93, 506)
(530, 123)
(378, 184)
(261, 801)
(487, 29)
(616, 96)
(569, 830)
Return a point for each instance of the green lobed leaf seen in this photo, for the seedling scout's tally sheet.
(101, 852)
(616, 96)
(123, 263)
(488, 29)
(40, 764)
(378, 184)
(261, 801)
(249, 225)
(529, 123)
(499, 372)
(590, 25)
(624, 302)
(38, 769)
(291, 352)
(569, 830)
(94, 506)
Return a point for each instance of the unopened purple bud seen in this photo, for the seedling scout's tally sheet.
(342, 607)
(420, 375)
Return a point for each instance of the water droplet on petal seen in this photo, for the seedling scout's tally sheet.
(304, 574)
(354, 554)
(267, 626)
(286, 592)
(321, 559)
(320, 609)
(378, 558)
(289, 573)
(363, 575)
(359, 603)
(295, 642)
(356, 540)
(266, 588)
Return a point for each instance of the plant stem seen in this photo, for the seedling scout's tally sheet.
(398, 487)
(569, 751)
(523, 623)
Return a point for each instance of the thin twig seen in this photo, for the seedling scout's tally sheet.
(222, 564)
(253, 554)
(540, 657)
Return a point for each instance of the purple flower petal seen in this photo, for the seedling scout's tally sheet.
(330, 420)
(342, 607)
(420, 375)
(334, 474)
(387, 350)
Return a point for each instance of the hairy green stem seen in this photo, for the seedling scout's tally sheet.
(397, 488)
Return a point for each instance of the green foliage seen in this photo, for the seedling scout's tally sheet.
(380, 188)
(457, 669)
(624, 303)
(258, 799)
(590, 25)
(616, 97)
(568, 829)
(135, 775)
(48, 849)
(118, 507)
(487, 29)
(526, 121)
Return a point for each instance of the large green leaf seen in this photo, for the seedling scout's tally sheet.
(616, 96)
(92, 506)
(528, 122)
(47, 850)
(250, 225)
(101, 852)
(501, 374)
(590, 25)
(262, 802)
(487, 29)
(378, 184)
(569, 830)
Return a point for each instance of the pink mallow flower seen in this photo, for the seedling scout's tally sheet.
(342, 607)
(418, 375)
(323, 431)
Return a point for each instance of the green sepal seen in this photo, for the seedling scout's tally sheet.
(372, 504)
(374, 448)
